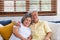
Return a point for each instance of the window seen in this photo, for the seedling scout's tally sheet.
(20, 7)
(8, 6)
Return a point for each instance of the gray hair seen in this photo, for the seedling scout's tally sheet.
(30, 12)
(25, 16)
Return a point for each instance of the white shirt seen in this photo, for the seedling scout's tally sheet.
(24, 31)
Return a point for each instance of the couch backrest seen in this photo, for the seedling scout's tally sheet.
(5, 22)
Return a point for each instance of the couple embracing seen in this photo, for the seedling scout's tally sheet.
(31, 28)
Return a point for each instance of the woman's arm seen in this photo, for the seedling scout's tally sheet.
(15, 31)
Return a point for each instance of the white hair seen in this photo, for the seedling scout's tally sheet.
(32, 11)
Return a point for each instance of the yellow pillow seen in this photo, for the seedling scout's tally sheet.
(6, 31)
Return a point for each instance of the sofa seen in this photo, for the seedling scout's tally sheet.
(9, 24)
(55, 30)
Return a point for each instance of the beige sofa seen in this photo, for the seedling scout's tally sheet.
(55, 31)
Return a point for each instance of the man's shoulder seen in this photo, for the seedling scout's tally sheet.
(42, 21)
(39, 22)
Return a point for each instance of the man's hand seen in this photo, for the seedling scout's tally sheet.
(47, 38)
(17, 23)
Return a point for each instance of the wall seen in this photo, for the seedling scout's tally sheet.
(47, 18)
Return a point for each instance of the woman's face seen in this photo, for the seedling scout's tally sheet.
(27, 21)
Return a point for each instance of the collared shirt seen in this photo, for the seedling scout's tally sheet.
(39, 30)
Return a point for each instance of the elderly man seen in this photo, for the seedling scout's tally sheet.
(40, 29)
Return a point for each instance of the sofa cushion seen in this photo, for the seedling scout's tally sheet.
(6, 31)
(55, 30)
(5, 22)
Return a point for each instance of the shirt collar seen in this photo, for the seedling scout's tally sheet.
(37, 22)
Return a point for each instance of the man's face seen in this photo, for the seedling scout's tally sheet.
(34, 16)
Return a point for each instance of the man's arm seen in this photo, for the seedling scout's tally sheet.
(48, 31)
(16, 23)
(48, 36)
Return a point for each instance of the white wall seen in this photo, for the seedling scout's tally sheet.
(47, 18)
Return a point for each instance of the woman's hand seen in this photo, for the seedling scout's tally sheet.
(30, 37)
(23, 38)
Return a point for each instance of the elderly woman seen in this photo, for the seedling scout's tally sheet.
(22, 31)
